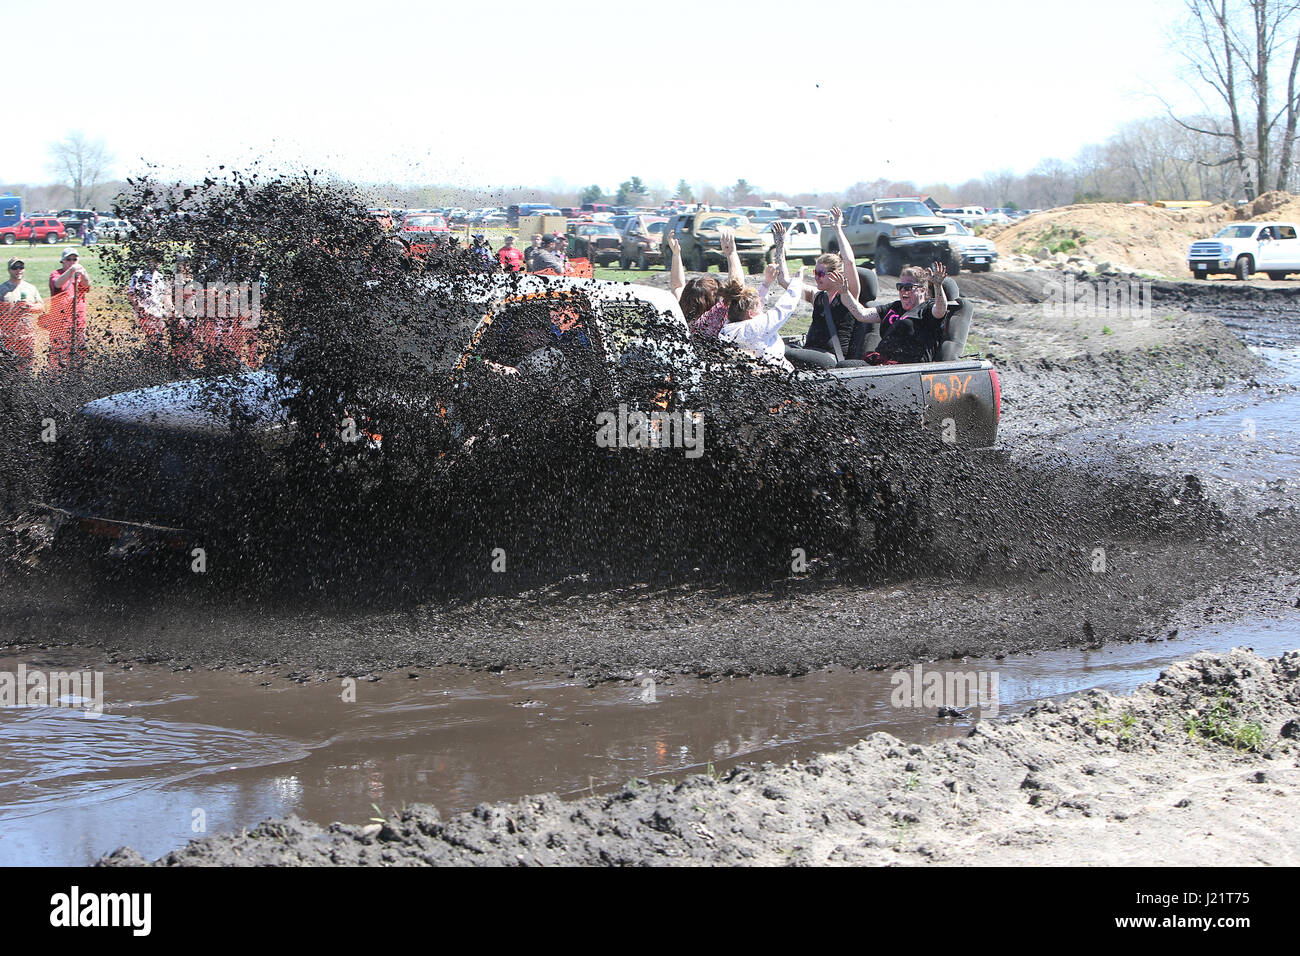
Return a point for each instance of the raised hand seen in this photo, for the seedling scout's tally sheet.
(938, 273)
(778, 233)
(674, 246)
(837, 217)
(727, 239)
(769, 273)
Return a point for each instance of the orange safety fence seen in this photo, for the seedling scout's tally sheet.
(578, 268)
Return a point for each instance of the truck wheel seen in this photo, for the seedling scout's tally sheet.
(754, 266)
(642, 264)
(1200, 274)
(1277, 276)
(1244, 269)
(698, 262)
(810, 260)
(51, 238)
(623, 263)
(770, 256)
(954, 265)
(9, 238)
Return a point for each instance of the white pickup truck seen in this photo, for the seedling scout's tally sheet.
(803, 240)
(1245, 248)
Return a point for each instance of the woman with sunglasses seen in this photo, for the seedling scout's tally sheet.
(835, 276)
(910, 327)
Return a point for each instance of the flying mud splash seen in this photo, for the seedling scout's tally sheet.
(374, 446)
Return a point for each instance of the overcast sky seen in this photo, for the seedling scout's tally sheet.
(562, 92)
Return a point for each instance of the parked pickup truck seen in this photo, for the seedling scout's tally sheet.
(896, 233)
(1246, 248)
(701, 244)
(803, 240)
(159, 461)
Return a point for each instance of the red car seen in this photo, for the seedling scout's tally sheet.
(425, 222)
(48, 230)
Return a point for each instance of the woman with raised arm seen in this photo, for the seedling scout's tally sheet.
(911, 327)
(831, 331)
(702, 298)
(758, 330)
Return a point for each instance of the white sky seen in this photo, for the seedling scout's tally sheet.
(708, 90)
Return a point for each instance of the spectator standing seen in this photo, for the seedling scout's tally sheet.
(20, 304)
(481, 254)
(532, 250)
(547, 259)
(66, 320)
(510, 258)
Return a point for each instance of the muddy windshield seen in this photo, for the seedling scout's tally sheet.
(1236, 232)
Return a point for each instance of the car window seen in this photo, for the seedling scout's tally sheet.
(716, 222)
(656, 228)
(1235, 232)
(1288, 232)
(426, 222)
(900, 210)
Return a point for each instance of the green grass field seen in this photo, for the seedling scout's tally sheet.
(42, 259)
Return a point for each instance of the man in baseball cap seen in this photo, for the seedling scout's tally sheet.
(20, 304)
(67, 318)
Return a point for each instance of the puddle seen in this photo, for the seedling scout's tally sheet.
(177, 754)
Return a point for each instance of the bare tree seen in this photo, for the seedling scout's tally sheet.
(1231, 46)
(81, 164)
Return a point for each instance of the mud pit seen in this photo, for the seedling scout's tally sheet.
(1094, 780)
(1004, 560)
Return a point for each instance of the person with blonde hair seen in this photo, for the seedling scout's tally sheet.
(756, 329)
(836, 279)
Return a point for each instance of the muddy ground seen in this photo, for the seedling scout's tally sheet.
(1202, 766)
(1003, 579)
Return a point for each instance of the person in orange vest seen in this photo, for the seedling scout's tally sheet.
(20, 304)
(66, 320)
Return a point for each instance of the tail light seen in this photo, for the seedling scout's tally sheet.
(997, 393)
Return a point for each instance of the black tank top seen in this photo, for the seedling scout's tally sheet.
(818, 336)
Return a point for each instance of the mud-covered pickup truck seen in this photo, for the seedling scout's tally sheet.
(160, 461)
(896, 233)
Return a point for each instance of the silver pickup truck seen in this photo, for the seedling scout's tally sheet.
(157, 460)
(896, 233)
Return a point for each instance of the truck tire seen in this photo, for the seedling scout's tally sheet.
(1277, 276)
(810, 260)
(51, 238)
(770, 255)
(698, 262)
(9, 238)
(1244, 268)
(623, 263)
(754, 266)
(888, 261)
(642, 264)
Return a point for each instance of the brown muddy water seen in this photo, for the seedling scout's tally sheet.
(175, 755)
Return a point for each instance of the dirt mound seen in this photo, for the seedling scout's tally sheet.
(1210, 749)
(1145, 239)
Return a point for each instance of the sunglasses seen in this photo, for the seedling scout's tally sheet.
(820, 273)
(906, 286)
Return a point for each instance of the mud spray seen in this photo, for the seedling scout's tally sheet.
(368, 463)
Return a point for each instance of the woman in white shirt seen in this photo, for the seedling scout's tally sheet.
(758, 331)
